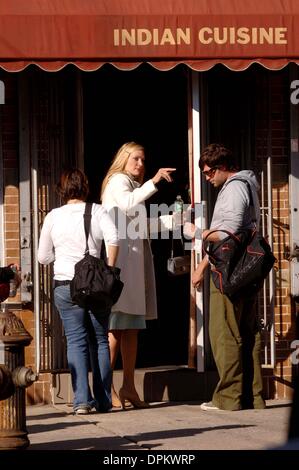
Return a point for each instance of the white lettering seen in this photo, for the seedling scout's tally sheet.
(128, 37)
(254, 36)
(243, 36)
(280, 35)
(295, 354)
(202, 35)
(156, 37)
(116, 37)
(144, 37)
(114, 460)
(137, 227)
(232, 35)
(170, 459)
(156, 223)
(183, 36)
(220, 35)
(2, 92)
(2, 348)
(167, 37)
(151, 459)
(206, 35)
(267, 35)
(294, 95)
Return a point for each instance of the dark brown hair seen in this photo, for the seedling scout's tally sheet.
(73, 184)
(216, 155)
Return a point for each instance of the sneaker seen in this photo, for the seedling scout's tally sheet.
(208, 406)
(82, 410)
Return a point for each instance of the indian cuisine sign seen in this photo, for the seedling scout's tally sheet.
(147, 30)
(205, 36)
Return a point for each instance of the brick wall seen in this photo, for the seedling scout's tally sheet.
(40, 391)
(272, 135)
(10, 169)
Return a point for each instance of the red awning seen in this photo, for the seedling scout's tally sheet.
(164, 33)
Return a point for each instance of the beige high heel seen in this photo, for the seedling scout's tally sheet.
(135, 401)
(116, 403)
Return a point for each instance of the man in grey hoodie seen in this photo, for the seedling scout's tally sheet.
(233, 326)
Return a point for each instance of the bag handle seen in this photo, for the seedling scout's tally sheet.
(230, 234)
(220, 230)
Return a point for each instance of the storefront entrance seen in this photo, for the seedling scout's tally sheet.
(149, 107)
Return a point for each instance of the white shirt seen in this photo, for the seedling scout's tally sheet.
(62, 238)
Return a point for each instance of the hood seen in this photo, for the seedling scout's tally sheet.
(249, 176)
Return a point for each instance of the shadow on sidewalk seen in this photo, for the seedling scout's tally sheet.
(137, 441)
(40, 428)
(45, 416)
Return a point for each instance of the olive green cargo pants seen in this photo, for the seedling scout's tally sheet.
(236, 345)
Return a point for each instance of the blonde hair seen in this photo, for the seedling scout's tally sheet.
(120, 161)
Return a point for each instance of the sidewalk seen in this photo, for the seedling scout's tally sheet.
(163, 427)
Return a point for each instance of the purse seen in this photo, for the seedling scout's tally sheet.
(95, 286)
(178, 265)
(241, 261)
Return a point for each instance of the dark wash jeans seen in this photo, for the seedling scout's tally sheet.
(87, 346)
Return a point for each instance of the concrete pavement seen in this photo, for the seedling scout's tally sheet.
(165, 426)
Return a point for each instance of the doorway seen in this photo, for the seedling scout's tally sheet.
(151, 108)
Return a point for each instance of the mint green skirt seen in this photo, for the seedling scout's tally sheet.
(126, 321)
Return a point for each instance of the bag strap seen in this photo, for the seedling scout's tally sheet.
(172, 244)
(87, 220)
(103, 254)
(232, 235)
(251, 204)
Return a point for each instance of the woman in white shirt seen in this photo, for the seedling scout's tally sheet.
(123, 195)
(62, 240)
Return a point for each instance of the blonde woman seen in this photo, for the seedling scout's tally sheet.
(124, 193)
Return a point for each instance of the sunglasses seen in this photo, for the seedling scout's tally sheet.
(211, 172)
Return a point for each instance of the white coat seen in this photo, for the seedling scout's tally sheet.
(135, 257)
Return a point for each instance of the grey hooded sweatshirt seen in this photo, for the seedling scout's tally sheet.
(232, 210)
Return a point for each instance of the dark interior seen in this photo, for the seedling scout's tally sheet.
(149, 107)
